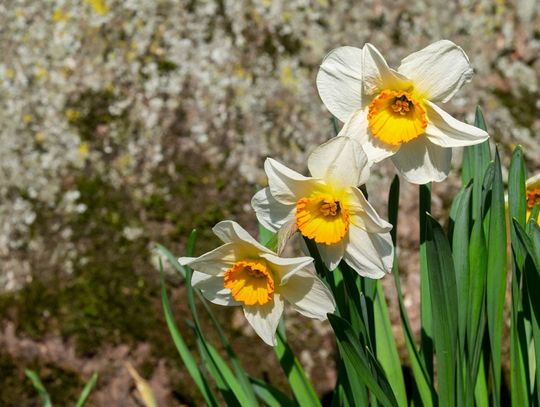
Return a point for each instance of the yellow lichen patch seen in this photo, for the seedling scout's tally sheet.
(396, 117)
(72, 114)
(99, 6)
(40, 137)
(59, 16)
(40, 72)
(250, 282)
(84, 150)
(323, 218)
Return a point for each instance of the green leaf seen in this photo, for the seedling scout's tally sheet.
(496, 276)
(87, 390)
(517, 207)
(171, 259)
(360, 363)
(387, 353)
(270, 395)
(421, 378)
(482, 157)
(442, 284)
(481, 393)
(475, 161)
(532, 287)
(476, 305)
(38, 385)
(185, 354)
(426, 349)
(301, 387)
(231, 390)
(241, 374)
(460, 255)
(393, 207)
(231, 383)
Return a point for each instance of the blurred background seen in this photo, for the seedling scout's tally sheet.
(129, 122)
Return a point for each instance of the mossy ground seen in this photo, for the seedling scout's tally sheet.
(112, 296)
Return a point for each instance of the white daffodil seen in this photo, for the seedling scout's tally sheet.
(393, 113)
(244, 272)
(329, 208)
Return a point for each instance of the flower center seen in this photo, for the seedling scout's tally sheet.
(322, 218)
(250, 282)
(396, 117)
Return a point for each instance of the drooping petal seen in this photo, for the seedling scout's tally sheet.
(445, 131)
(357, 128)
(364, 215)
(212, 288)
(377, 75)
(286, 267)
(369, 254)
(230, 231)
(271, 213)
(421, 161)
(438, 71)
(287, 186)
(340, 161)
(339, 81)
(308, 295)
(214, 262)
(265, 318)
(331, 254)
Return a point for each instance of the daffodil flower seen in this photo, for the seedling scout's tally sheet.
(329, 208)
(244, 272)
(393, 112)
(533, 194)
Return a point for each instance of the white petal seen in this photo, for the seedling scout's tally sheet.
(445, 131)
(230, 231)
(369, 254)
(377, 76)
(286, 267)
(308, 295)
(421, 161)
(364, 215)
(340, 161)
(271, 213)
(265, 318)
(287, 186)
(357, 127)
(339, 81)
(438, 71)
(332, 254)
(214, 262)
(212, 288)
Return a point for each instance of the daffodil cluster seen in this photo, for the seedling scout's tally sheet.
(386, 113)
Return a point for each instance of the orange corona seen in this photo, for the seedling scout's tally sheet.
(250, 282)
(323, 218)
(396, 117)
